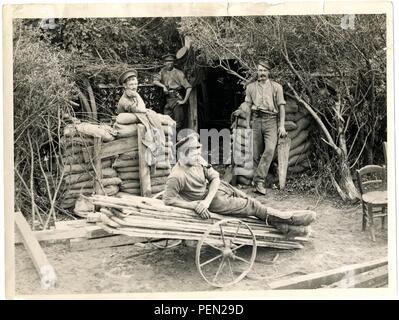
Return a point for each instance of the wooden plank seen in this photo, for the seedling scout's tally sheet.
(144, 169)
(317, 280)
(54, 235)
(370, 279)
(112, 148)
(97, 166)
(68, 224)
(193, 111)
(75, 230)
(95, 231)
(46, 272)
(81, 244)
(283, 151)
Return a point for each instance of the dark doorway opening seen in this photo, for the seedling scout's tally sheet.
(218, 96)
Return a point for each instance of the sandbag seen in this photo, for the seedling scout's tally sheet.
(121, 163)
(127, 118)
(242, 123)
(241, 132)
(299, 139)
(130, 185)
(71, 131)
(83, 205)
(244, 141)
(103, 131)
(130, 130)
(162, 118)
(302, 148)
(243, 148)
(66, 141)
(67, 203)
(244, 180)
(128, 169)
(161, 181)
(73, 159)
(88, 175)
(291, 106)
(298, 158)
(246, 165)
(109, 190)
(129, 175)
(131, 118)
(290, 125)
(302, 124)
(133, 191)
(154, 189)
(90, 183)
(240, 171)
(72, 150)
(128, 156)
(125, 131)
(77, 168)
(160, 173)
(294, 116)
(242, 158)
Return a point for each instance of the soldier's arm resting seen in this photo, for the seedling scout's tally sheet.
(213, 188)
(281, 129)
(188, 91)
(159, 84)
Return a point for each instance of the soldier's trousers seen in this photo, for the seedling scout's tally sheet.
(231, 201)
(175, 111)
(265, 134)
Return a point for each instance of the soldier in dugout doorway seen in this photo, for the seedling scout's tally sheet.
(265, 99)
(173, 82)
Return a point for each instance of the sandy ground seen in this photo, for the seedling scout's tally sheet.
(337, 240)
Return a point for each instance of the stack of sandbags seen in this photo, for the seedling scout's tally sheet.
(242, 144)
(298, 124)
(79, 176)
(127, 164)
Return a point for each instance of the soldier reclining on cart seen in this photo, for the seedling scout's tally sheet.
(194, 184)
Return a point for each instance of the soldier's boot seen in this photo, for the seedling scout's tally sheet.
(296, 218)
(293, 231)
(260, 187)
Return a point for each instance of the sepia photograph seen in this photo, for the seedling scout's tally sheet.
(199, 150)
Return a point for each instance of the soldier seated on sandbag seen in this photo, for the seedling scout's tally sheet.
(194, 184)
(130, 101)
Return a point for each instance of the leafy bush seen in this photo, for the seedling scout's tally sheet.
(43, 87)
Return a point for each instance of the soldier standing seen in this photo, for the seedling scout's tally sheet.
(172, 81)
(266, 100)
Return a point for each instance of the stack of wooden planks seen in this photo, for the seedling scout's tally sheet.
(148, 217)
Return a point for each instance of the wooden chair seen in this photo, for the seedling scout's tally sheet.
(373, 189)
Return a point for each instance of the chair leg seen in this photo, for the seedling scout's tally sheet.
(371, 221)
(364, 220)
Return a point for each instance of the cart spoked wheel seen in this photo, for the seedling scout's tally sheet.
(165, 243)
(226, 252)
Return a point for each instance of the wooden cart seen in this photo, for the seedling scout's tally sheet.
(226, 247)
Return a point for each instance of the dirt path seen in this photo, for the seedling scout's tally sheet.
(337, 240)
